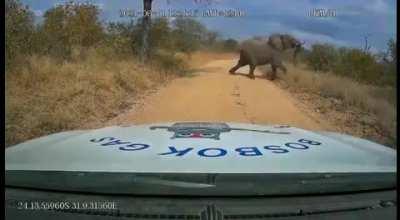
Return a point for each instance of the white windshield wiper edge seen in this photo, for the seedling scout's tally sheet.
(183, 184)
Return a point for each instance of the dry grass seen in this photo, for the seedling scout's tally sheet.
(377, 101)
(44, 96)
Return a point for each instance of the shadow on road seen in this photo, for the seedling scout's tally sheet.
(247, 75)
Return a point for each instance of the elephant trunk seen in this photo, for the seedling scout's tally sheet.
(296, 51)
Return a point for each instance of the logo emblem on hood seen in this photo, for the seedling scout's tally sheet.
(204, 130)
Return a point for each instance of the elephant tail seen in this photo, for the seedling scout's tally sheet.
(242, 52)
(244, 57)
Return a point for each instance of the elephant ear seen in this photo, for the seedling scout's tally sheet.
(288, 41)
(275, 41)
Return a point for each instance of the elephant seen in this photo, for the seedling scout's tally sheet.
(285, 41)
(255, 53)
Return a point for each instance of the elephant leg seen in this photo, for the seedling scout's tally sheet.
(295, 53)
(236, 67)
(273, 75)
(251, 72)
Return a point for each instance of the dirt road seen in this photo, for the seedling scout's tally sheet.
(212, 94)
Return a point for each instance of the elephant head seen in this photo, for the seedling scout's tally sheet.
(284, 42)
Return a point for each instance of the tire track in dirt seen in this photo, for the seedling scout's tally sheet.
(241, 103)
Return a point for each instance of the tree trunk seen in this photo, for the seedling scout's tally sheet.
(295, 53)
(144, 50)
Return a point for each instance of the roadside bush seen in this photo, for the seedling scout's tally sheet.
(70, 25)
(187, 34)
(168, 62)
(160, 35)
(19, 29)
(119, 37)
(322, 57)
(358, 65)
(354, 63)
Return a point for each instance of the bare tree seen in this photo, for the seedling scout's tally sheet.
(367, 46)
(146, 21)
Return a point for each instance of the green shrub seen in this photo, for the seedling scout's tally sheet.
(168, 63)
(70, 25)
(358, 65)
(188, 34)
(19, 29)
(354, 63)
(119, 37)
(322, 57)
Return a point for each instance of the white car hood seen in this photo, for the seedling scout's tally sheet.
(140, 149)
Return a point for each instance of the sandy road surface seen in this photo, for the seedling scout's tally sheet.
(214, 95)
